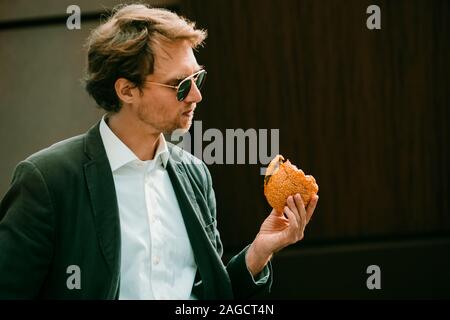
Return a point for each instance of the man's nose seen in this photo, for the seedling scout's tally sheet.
(194, 95)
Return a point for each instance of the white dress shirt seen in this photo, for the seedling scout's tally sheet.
(157, 261)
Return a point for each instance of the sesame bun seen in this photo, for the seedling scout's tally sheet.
(283, 179)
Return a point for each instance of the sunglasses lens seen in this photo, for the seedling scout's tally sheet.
(183, 90)
(200, 80)
(185, 86)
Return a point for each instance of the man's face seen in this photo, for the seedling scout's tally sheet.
(158, 106)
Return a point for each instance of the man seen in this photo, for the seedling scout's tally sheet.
(119, 213)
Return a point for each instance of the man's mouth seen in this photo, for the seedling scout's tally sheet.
(189, 113)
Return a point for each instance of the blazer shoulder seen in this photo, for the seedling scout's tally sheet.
(60, 154)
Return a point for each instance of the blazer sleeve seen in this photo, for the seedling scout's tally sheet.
(26, 234)
(243, 284)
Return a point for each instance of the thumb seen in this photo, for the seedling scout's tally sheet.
(276, 212)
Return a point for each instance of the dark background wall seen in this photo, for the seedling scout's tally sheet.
(364, 111)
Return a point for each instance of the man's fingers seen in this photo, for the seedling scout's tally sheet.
(311, 207)
(292, 205)
(301, 208)
(293, 221)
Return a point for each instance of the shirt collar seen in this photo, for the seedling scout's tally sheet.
(162, 152)
(119, 154)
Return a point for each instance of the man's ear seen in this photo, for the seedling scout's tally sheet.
(126, 91)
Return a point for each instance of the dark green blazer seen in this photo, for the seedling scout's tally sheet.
(61, 210)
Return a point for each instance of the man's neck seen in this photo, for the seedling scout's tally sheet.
(134, 135)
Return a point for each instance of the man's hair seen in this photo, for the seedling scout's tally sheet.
(123, 47)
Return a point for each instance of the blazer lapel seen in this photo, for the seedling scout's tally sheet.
(215, 279)
(102, 193)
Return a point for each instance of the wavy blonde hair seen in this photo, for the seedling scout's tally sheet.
(123, 47)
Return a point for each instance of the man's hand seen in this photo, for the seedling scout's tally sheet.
(279, 230)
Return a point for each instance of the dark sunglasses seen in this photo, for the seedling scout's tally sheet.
(184, 87)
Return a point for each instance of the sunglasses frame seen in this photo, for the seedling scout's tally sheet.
(177, 88)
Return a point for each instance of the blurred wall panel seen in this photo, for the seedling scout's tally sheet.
(42, 64)
(364, 111)
(24, 9)
(43, 99)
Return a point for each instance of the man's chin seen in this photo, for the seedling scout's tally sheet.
(182, 129)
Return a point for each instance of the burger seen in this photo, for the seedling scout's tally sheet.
(284, 179)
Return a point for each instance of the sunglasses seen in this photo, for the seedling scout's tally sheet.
(184, 87)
